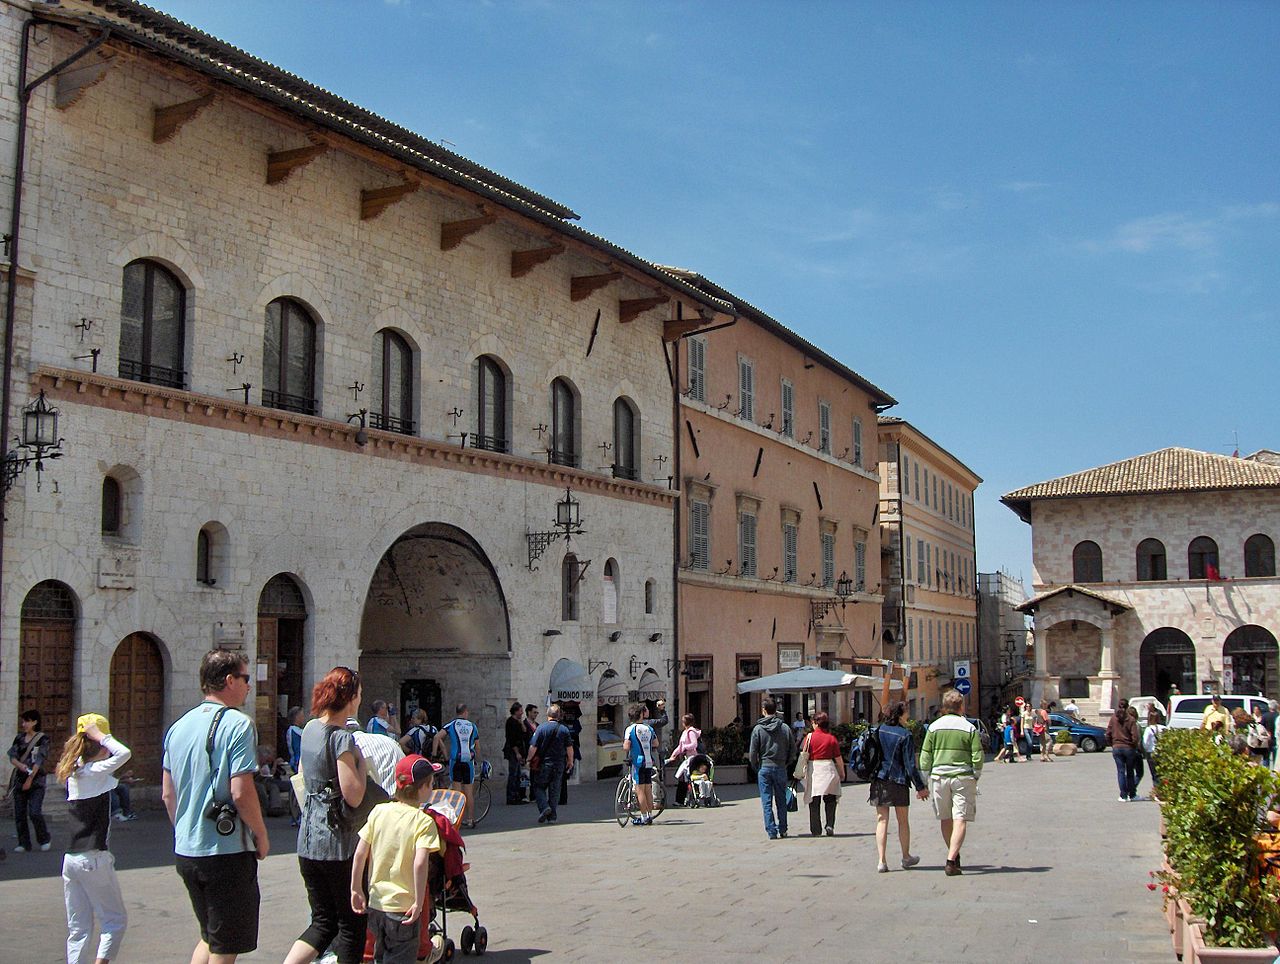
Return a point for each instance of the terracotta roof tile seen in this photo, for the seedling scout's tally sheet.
(1168, 470)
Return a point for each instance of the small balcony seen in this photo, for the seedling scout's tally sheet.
(152, 374)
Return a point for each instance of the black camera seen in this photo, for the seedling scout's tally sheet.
(224, 817)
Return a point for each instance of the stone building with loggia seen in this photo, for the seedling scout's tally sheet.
(1154, 572)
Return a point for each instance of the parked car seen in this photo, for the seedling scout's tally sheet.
(984, 733)
(1088, 737)
(1186, 712)
(608, 753)
(1143, 703)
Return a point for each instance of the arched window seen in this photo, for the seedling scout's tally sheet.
(564, 424)
(610, 594)
(1259, 556)
(1202, 559)
(1086, 563)
(204, 559)
(393, 384)
(491, 405)
(1152, 566)
(289, 358)
(110, 506)
(857, 442)
(569, 578)
(626, 441)
(649, 589)
(152, 320)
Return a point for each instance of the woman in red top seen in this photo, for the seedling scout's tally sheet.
(823, 775)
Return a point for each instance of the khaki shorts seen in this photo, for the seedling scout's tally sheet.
(954, 798)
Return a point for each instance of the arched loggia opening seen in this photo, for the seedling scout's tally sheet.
(1250, 655)
(1167, 659)
(435, 630)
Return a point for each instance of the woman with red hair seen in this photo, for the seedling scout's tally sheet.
(333, 771)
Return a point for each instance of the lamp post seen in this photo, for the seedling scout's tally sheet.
(568, 523)
(39, 441)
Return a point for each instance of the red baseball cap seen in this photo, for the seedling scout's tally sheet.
(415, 768)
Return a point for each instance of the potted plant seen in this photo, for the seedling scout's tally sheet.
(1062, 745)
(1211, 798)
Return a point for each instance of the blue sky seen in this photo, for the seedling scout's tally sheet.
(1052, 231)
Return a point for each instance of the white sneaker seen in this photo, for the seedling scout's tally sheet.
(46, 846)
(909, 861)
(19, 850)
(1122, 799)
(882, 868)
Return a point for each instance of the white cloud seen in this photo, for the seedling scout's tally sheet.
(1178, 230)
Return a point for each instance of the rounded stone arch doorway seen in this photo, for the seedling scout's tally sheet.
(1251, 656)
(136, 703)
(1167, 658)
(46, 656)
(435, 630)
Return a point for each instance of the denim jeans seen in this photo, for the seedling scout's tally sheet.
(772, 782)
(30, 803)
(1126, 770)
(515, 793)
(549, 776)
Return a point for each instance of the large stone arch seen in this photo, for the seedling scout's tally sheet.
(1167, 658)
(435, 630)
(1252, 657)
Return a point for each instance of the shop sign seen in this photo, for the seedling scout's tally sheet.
(790, 657)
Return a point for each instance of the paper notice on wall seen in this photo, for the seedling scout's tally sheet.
(264, 671)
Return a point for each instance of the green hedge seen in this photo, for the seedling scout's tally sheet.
(1212, 800)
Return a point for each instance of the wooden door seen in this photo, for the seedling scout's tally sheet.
(44, 675)
(265, 679)
(136, 710)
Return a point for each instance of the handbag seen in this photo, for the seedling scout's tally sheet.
(802, 764)
(341, 815)
(15, 772)
(793, 802)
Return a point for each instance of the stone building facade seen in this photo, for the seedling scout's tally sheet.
(318, 379)
(779, 548)
(927, 539)
(1155, 572)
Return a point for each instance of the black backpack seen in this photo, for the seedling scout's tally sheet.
(867, 754)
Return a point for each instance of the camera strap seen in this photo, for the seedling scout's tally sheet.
(208, 748)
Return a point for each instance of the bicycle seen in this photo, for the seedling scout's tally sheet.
(481, 795)
(626, 806)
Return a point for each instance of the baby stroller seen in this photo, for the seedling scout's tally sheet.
(702, 787)
(447, 884)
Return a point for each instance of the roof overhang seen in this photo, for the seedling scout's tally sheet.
(1114, 606)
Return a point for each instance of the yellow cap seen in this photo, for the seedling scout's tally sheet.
(93, 719)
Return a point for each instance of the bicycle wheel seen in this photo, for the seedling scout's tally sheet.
(482, 802)
(659, 794)
(624, 803)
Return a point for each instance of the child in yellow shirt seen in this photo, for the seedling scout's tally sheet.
(395, 843)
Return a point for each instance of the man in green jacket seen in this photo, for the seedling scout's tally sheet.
(952, 757)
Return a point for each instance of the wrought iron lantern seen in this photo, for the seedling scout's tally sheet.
(39, 441)
(568, 523)
(844, 586)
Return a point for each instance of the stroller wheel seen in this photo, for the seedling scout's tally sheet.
(448, 950)
(482, 940)
(468, 939)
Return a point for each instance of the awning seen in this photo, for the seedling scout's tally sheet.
(651, 687)
(811, 679)
(613, 689)
(571, 681)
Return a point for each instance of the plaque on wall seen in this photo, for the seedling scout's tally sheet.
(117, 571)
(790, 656)
(228, 635)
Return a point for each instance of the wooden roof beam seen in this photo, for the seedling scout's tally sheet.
(677, 329)
(280, 164)
(522, 262)
(374, 201)
(169, 120)
(453, 233)
(632, 308)
(583, 285)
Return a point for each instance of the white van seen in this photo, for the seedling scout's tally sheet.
(1186, 712)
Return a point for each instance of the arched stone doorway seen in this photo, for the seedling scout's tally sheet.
(282, 621)
(1251, 657)
(435, 630)
(46, 657)
(1166, 659)
(136, 705)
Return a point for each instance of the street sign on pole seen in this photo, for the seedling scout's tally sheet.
(960, 669)
(963, 686)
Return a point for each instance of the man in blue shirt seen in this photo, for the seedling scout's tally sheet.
(462, 738)
(383, 720)
(640, 744)
(550, 754)
(210, 757)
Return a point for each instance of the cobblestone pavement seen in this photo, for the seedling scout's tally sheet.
(1055, 868)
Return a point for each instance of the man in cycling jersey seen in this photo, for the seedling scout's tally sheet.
(640, 745)
(462, 738)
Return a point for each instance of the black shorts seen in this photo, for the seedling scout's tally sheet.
(463, 772)
(886, 793)
(224, 895)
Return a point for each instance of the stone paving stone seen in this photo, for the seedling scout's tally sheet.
(1050, 845)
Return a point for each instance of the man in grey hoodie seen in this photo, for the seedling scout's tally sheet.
(772, 754)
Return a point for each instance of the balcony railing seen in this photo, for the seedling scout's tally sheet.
(152, 374)
(557, 457)
(289, 403)
(490, 443)
(389, 423)
(626, 472)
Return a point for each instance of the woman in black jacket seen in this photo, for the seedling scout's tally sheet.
(516, 751)
(28, 754)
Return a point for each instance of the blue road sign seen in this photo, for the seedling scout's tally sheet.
(963, 686)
